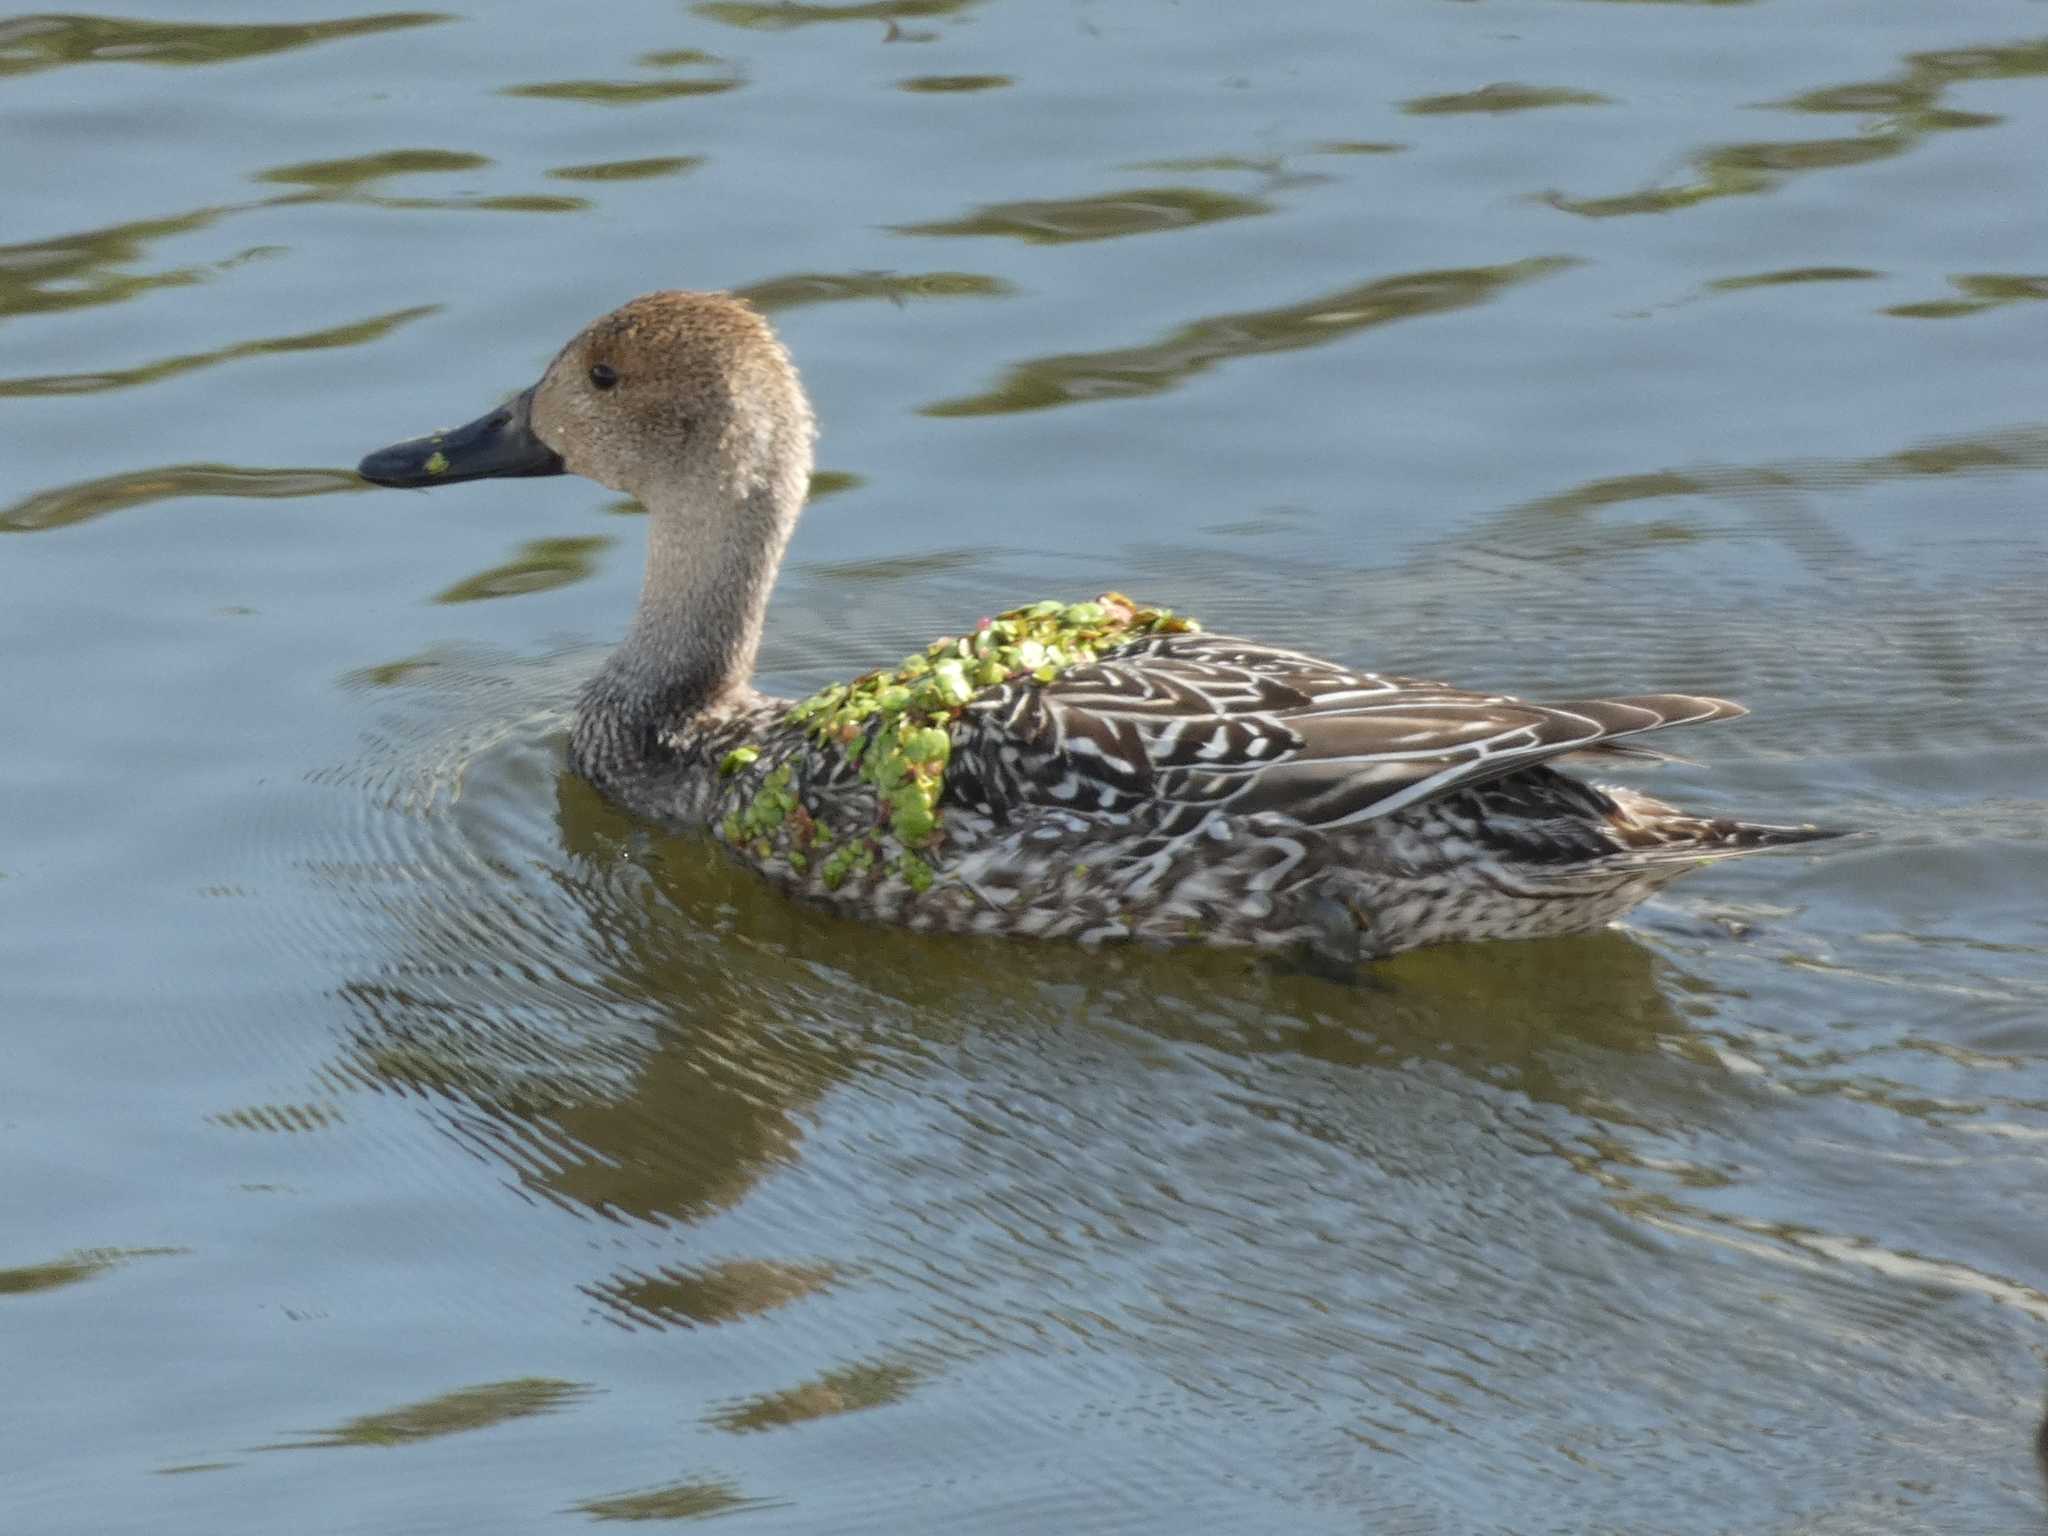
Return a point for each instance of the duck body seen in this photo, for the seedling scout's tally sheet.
(1160, 784)
(1095, 771)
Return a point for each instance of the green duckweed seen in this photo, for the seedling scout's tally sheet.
(895, 725)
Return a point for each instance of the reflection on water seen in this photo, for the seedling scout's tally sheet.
(1061, 221)
(782, 15)
(627, 93)
(939, 85)
(1503, 97)
(32, 43)
(621, 93)
(372, 329)
(27, 1279)
(629, 170)
(2015, 449)
(82, 271)
(672, 1297)
(663, 1073)
(1197, 347)
(452, 1413)
(630, 1120)
(74, 271)
(276, 1119)
(849, 1389)
(540, 566)
(1982, 291)
(65, 505)
(633, 1030)
(694, 1500)
(355, 179)
(1357, 147)
(354, 176)
(1899, 115)
(1793, 275)
(800, 288)
(436, 1108)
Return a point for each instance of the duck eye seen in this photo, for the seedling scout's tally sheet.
(603, 375)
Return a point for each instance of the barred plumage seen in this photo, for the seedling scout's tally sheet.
(1194, 787)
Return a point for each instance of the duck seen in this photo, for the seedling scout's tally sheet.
(1097, 770)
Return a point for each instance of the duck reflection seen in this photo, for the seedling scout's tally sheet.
(2041, 1449)
(639, 1032)
(643, 1078)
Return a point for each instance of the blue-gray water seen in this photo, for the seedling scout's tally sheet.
(395, 1139)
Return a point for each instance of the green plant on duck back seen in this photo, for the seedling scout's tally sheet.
(896, 727)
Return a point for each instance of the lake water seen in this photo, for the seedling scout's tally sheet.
(397, 1139)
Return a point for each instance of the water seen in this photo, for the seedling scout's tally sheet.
(397, 1139)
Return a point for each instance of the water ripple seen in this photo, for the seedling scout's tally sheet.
(693, 1499)
(76, 271)
(797, 289)
(1901, 113)
(1151, 369)
(32, 43)
(1106, 216)
(784, 15)
(462, 1411)
(1506, 96)
(65, 506)
(355, 334)
(540, 565)
(629, 170)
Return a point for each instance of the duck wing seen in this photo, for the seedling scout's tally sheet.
(1189, 724)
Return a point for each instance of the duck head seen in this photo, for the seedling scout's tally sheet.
(674, 394)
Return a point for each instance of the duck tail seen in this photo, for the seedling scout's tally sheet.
(1653, 833)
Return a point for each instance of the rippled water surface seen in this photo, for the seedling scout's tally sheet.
(397, 1139)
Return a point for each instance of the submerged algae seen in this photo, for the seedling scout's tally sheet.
(895, 726)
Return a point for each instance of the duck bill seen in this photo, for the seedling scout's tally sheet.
(499, 445)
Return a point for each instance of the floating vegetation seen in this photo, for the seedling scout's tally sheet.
(895, 726)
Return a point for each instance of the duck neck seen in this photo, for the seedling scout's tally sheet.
(713, 549)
